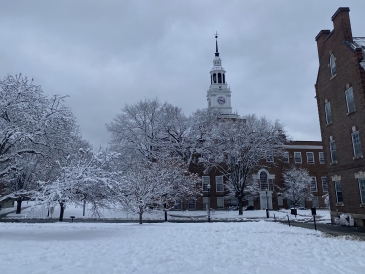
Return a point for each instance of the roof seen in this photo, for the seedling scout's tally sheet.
(3, 198)
(359, 43)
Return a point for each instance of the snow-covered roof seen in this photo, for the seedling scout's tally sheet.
(3, 198)
(358, 43)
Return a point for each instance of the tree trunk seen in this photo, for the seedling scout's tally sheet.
(140, 218)
(240, 205)
(83, 208)
(165, 210)
(62, 210)
(19, 205)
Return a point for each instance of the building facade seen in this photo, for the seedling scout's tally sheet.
(340, 94)
(268, 175)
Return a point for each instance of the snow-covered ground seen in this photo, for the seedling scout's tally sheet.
(71, 210)
(253, 247)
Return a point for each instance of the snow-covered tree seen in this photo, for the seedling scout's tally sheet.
(84, 178)
(236, 148)
(144, 187)
(158, 133)
(139, 129)
(297, 184)
(34, 129)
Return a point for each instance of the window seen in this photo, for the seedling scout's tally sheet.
(324, 184)
(177, 205)
(356, 144)
(280, 201)
(333, 151)
(362, 190)
(220, 202)
(234, 202)
(206, 182)
(219, 183)
(321, 158)
(310, 158)
(313, 184)
(224, 78)
(286, 157)
(214, 78)
(297, 157)
(350, 100)
(315, 201)
(263, 180)
(338, 191)
(250, 202)
(333, 65)
(327, 109)
(219, 78)
(205, 203)
(192, 205)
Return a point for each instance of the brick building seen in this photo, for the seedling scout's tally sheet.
(305, 154)
(340, 93)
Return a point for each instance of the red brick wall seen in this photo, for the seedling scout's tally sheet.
(333, 89)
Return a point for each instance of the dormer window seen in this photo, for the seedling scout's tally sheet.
(333, 65)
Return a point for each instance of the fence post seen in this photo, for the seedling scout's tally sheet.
(288, 219)
(314, 219)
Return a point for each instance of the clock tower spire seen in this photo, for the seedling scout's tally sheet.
(219, 93)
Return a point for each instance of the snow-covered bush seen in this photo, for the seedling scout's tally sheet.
(343, 220)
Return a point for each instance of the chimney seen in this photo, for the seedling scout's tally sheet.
(341, 23)
(322, 35)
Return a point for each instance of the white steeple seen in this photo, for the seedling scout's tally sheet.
(219, 93)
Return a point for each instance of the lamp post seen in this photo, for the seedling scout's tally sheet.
(208, 187)
(267, 205)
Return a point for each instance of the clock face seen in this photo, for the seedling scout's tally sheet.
(221, 100)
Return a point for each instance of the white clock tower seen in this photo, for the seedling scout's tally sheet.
(219, 93)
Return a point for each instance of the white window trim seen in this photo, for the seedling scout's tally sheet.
(315, 180)
(353, 144)
(295, 159)
(326, 183)
(203, 183)
(362, 198)
(332, 65)
(337, 191)
(319, 157)
(331, 151)
(220, 198)
(308, 153)
(328, 113)
(216, 184)
(347, 101)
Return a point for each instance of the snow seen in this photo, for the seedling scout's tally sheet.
(37, 211)
(253, 247)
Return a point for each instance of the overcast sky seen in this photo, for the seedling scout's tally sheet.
(105, 54)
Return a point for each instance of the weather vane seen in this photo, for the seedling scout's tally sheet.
(216, 35)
